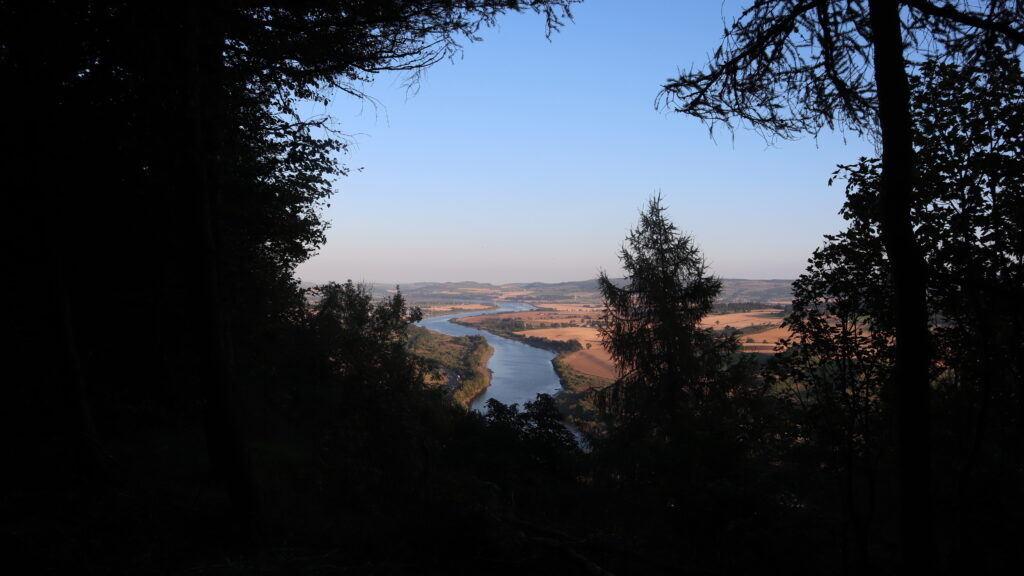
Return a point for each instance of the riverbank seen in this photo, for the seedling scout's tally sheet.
(519, 371)
(512, 329)
(472, 389)
(459, 363)
(576, 399)
(564, 323)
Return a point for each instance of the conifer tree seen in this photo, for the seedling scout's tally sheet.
(651, 325)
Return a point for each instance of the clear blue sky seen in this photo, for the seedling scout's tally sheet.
(528, 160)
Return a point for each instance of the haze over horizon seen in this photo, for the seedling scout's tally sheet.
(529, 161)
(469, 280)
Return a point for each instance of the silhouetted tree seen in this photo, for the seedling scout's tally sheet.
(833, 369)
(651, 326)
(366, 342)
(968, 121)
(165, 226)
(683, 414)
(792, 66)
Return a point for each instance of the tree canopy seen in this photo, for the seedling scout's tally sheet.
(967, 126)
(794, 66)
(651, 325)
(170, 187)
(791, 67)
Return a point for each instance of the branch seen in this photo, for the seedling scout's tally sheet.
(949, 12)
(829, 53)
(783, 26)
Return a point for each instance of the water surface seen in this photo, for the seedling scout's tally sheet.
(518, 372)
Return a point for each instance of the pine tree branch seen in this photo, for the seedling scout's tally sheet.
(948, 11)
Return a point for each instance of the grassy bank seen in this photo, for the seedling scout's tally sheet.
(577, 401)
(457, 363)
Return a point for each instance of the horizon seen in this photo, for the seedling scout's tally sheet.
(496, 284)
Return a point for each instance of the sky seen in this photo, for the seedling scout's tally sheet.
(528, 160)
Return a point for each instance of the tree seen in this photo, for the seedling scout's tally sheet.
(366, 342)
(651, 325)
(672, 372)
(831, 371)
(684, 414)
(171, 277)
(793, 66)
(968, 124)
(367, 412)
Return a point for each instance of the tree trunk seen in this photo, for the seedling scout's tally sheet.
(204, 104)
(54, 403)
(910, 385)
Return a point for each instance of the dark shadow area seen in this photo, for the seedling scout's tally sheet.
(178, 404)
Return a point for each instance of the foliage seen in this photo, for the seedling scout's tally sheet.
(840, 351)
(651, 325)
(362, 340)
(738, 307)
(184, 398)
(686, 418)
(968, 125)
(797, 66)
(524, 454)
(970, 211)
(755, 329)
(832, 370)
(539, 422)
(968, 122)
(184, 191)
(787, 67)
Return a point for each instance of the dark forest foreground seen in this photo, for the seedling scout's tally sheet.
(178, 404)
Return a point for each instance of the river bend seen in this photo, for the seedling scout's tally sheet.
(518, 372)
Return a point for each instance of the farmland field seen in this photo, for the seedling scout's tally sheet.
(572, 311)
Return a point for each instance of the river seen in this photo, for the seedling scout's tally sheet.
(518, 372)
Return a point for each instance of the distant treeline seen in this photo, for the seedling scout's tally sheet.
(739, 307)
(747, 330)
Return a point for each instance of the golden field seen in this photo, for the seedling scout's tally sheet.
(764, 340)
(593, 360)
(596, 360)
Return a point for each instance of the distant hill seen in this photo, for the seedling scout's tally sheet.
(583, 291)
(737, 290)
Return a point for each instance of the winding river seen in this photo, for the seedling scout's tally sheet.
(518, 372)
